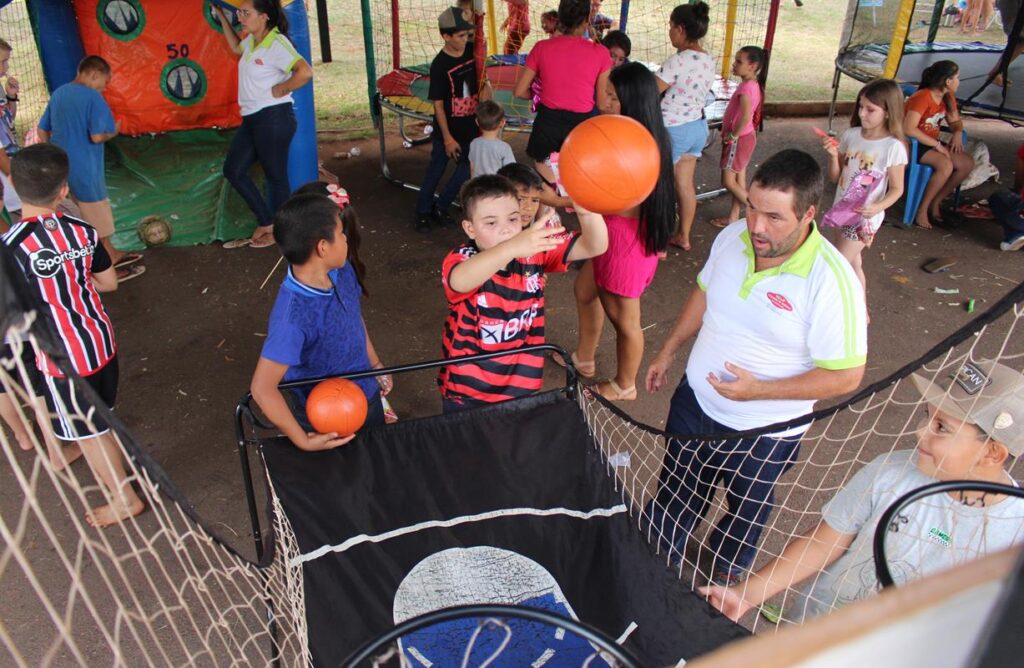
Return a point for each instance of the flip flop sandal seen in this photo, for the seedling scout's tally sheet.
(237, 243)
(617, 393)
(584, 369)
(127, 259)
(673, 242)
(265, 242)
(976, 212)
(721, 223)
(128, 273)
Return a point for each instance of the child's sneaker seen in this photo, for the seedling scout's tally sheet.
(1014, 245)
(424, 221)
(442, 218)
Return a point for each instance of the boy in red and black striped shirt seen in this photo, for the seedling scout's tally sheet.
(495, 288)
(65, 262)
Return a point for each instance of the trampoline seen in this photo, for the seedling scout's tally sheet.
(400, 41)
(898, 40)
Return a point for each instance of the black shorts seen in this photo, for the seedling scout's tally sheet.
(32, 382)
(550, 128)
(72, 414)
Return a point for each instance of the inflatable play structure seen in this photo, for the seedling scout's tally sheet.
(400, 39)
(898, 39)
(174, 91)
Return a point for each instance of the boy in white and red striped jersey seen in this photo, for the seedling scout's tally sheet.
(494, 283)
(65, 262)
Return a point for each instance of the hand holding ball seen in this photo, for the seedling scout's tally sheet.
(609, 163)
(336, 405)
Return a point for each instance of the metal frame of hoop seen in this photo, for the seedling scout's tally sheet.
(605, 644)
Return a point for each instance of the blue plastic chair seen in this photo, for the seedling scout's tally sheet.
(916, 181)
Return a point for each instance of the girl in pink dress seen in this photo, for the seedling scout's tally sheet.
(613, 283)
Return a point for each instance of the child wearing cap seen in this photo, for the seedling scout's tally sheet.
(974, 423)
(454, 94)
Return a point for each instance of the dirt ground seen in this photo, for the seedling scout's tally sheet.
(190, 330)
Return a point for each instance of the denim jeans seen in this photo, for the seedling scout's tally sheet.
(435, 170)
(264, 137)
(747, 467)
(1006, 207)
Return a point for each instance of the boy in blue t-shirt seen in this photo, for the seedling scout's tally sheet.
(80, 121)
(316, 325)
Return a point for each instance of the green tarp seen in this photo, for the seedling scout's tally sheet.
(176, 176)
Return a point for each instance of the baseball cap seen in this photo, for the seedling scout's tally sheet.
(985, 393)
(451, 20)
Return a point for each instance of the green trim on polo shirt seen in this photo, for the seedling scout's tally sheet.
(267, 41)
(798, 264)
(846, 288)
(851, 362)
(700, 284)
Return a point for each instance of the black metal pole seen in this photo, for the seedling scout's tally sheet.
(325, 30)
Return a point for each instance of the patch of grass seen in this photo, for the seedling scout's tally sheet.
(803, 58)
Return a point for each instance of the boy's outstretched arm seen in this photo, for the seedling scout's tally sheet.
(593, 235)
(802, 558)
(477, 270)
(264, 390)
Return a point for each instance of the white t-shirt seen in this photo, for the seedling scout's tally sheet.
(778, 323)
(869, 158)
(931, 535)
(262, 67)
(689, 75)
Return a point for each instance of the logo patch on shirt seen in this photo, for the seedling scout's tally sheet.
(50, 224)
(533, 283)
(779, 302)
(939, 536)
(258, 61)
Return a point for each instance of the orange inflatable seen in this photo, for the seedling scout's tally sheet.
(609, 163)
(172, 67)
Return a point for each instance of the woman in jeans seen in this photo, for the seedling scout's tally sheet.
(269, 69)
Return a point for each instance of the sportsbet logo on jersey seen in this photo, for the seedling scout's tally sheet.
(45, 262)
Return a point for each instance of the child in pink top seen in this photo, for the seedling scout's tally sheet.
(575, 73)
(739, 125)
(613, 283)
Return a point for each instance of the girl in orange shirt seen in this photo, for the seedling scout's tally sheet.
(931, 106)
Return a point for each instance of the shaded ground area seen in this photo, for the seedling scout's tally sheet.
(190, 331)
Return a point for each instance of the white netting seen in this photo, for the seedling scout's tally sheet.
(156, 589)
(25, 65)
(884, 423)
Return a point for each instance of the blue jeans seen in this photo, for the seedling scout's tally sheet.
(264, 137)
(1007, 207)
(748, 469)
(435, 170)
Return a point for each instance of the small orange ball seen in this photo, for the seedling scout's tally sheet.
(336, 405)
(609, 163)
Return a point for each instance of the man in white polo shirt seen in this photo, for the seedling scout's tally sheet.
(780, 323)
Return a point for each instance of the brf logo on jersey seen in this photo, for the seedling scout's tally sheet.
(46, 262)
(494, 332)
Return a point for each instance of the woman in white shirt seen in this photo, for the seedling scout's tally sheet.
(269, 69)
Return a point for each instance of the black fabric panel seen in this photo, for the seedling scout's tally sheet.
(529, 453)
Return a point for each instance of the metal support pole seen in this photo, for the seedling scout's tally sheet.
(324, 25)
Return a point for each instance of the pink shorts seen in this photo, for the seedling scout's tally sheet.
(625, 269)
(736, 155)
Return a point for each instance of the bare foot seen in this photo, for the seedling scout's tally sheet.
(104, 516)
(923, 222)
(68, 453)
(723, 221)
(24, 441)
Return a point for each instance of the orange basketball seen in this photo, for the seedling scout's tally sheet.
(336, 405)
(609, 163)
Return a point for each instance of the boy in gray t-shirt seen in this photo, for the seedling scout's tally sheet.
(487, 153)
(975, 422)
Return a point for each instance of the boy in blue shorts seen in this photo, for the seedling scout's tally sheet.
(316, 325)
(79, 120)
